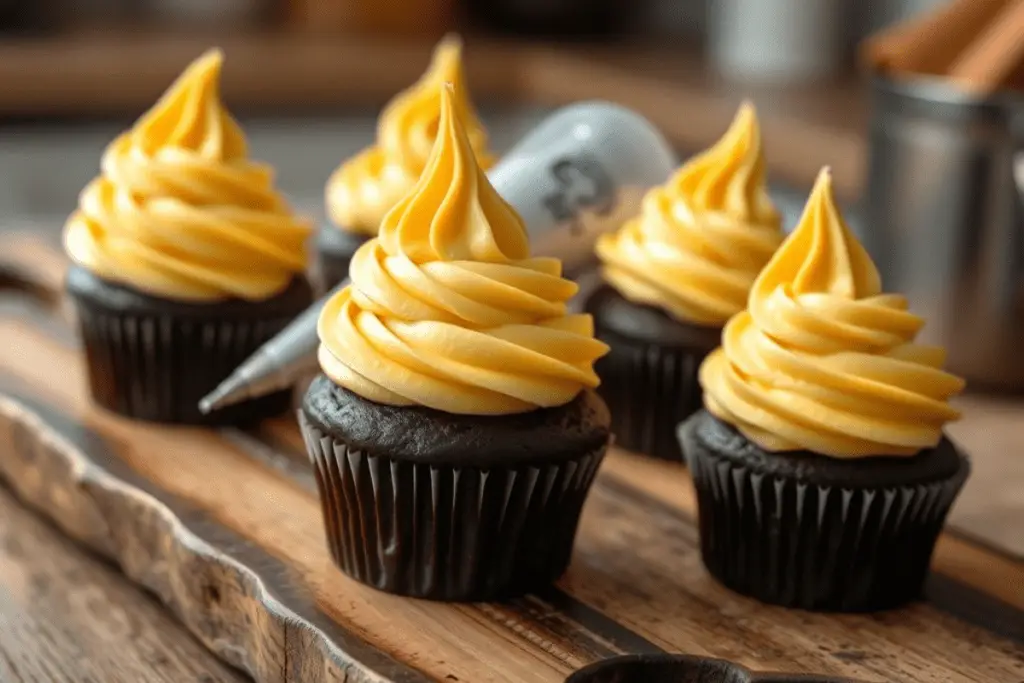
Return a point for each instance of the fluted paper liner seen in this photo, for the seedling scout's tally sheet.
(826, 548)
(649, 390)
(447, 533)
(157, 367)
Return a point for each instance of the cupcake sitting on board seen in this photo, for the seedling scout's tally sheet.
(185, 259)
(822, 472)
(674, 275)
(454, 431)
(364, 188)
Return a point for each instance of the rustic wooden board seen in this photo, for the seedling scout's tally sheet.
(67, 616)
(224, 527)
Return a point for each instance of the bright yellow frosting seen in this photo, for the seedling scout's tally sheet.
(822, 360)
(179, 210)
(701, 238)
(365, 187)
(448, 310)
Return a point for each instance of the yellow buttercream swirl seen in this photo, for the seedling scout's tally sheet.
(179, 210)
(822, 360)
(365, 187)
(448, 310)
(702, 237)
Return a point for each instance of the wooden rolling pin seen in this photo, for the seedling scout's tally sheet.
(992, 59)
(931, 42)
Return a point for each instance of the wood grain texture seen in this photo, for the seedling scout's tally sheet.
(66, 616)
(225, 528)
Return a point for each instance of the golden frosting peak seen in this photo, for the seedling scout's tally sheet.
(190, 116)
(180, 211)
(365, 187)
(454, 213)
(730, 177)
(409, 123)
(822, 360)
(448, 310)
(823, 256)
(702, 237)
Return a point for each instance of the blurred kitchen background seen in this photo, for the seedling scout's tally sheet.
(918, 122)
(307, 76)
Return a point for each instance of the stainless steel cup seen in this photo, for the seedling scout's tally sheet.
(943, 220)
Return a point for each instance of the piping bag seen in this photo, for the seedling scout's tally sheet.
(580, 173)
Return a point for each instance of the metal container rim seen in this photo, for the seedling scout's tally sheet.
(927, 89)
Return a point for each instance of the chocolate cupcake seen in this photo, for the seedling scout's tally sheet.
(822, 473)
(431, 504)
(675, 274)
(454, 431)
(364, 188)
(186, 259)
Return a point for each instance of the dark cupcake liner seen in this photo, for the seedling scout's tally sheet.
(335, 248)
(157, 367)
(154, 359)
(649, 389)
(820, 547)
(447, 533)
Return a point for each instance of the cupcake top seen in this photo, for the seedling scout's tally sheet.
(448, 310)
(702, 237)
(822, 360)
(180, 211)
(365, 187)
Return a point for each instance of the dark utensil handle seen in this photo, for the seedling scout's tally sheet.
(797, 678)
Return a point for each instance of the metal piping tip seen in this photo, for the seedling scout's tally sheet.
(220, 397)
(275, 366)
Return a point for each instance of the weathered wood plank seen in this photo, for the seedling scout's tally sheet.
(225, 528)
(242, 603)
(66, 616)
(233, 544)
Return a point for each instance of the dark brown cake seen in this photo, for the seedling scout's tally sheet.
(436, 505)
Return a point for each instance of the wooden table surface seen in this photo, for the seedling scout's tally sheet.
(67, 615)
(974, 624)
